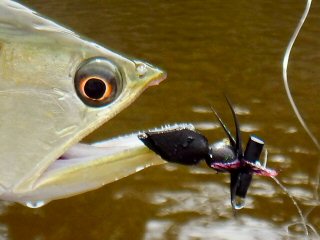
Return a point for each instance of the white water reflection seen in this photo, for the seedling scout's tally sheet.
(299, 149)
(204, 199)
(284, 161)
(263, 188)
(297, 179)
(249, 127)
(239, 110)
(286, 129)
(157, 229)
(206, 125)
(243, 228)
(302, 194)
(201, 109)
(207, 214)
(209, 199)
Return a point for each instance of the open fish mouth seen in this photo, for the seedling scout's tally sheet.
(86, 167)
(83, 153)
(97, 164)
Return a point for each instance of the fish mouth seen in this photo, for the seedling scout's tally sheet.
(84, 167)
(84, 153)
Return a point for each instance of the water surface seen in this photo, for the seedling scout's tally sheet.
(208, 48)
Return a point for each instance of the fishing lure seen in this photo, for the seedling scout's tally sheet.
(185, 145)
(241, 166)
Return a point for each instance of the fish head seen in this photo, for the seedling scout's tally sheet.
(55, 88)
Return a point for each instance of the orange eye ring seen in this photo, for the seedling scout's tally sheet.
(97, 82)
(96, 88)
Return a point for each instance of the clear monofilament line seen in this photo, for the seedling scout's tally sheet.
(303, 220)
(285, 74)
(287, 88)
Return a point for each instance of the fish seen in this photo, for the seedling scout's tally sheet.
(56, 87)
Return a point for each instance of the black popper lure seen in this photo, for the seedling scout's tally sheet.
(178, 144)
(185, 145)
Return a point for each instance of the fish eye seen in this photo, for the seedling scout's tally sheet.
(98, 82)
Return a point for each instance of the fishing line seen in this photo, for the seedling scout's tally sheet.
(286, 85)
(303, 220)
(294, 107)
(285, 75)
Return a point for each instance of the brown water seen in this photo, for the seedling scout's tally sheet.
(208, 48)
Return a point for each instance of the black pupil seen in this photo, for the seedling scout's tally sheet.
(95, 88)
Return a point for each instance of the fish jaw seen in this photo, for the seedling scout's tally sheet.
(87, 167)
